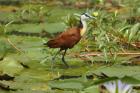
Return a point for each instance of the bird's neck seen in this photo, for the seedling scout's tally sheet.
(83, 27)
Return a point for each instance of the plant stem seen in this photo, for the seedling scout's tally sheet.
(13, 45)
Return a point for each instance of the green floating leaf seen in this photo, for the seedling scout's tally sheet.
(124, 70)
(127, 73)
(126, 79)
(10, 66)
(91, 89)
(130, 80)
(66, 84)
(100, 81)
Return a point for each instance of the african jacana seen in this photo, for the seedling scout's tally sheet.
(66, 40)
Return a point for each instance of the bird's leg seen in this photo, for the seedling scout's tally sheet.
(63, 58)
(53, 59)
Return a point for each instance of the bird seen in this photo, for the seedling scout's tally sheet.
(70, 37)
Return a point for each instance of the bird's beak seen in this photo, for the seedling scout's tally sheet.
(92, 17)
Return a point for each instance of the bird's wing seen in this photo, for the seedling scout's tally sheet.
(69, 32)
(70, 37)
(66, 39)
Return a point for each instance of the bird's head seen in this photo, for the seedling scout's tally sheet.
(86, 16)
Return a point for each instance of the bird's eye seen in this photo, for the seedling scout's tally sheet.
(87, 15)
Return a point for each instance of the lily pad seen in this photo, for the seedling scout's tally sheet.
(67, 85)
(10, 66)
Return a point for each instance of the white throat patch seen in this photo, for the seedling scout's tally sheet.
(83, 30)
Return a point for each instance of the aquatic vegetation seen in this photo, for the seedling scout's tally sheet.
(107, 55)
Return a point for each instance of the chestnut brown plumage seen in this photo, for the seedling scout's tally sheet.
(69, 38)
(66, 39)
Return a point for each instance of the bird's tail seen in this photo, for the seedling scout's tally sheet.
(52, 44)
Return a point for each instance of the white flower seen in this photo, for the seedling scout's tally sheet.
(118, 87)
